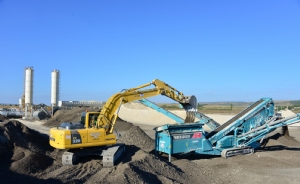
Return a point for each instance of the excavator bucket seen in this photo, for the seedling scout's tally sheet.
(190, 106)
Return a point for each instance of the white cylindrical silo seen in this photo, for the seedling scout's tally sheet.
(28, 85)
(20, 102)
(55, 87)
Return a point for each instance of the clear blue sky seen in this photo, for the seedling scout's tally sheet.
(216, 50)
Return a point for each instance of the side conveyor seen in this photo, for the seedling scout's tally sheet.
(171, 115)
(212, 124)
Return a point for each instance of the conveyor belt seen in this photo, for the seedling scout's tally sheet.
(199, 114)
(46, 111)
(154, 106)
(234, 118)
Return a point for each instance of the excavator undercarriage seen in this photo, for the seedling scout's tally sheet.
(110, 154)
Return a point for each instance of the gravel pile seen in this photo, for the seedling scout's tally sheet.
(136, 136)
(22, 152)
(139, 166)
(278, 139)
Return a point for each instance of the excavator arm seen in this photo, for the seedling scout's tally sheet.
(109, 113)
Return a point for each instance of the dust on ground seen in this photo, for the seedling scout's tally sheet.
(27, 157)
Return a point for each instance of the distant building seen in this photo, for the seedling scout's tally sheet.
(80, 104)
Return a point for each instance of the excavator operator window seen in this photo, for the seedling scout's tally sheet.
(82, 119)
(93, 120)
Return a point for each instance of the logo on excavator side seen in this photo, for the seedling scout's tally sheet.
(95, 135)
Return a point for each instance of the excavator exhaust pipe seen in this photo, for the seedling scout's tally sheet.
(190, 105)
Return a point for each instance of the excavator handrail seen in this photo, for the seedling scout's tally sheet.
(115, 101)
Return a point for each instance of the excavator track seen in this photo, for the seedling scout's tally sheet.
(68, 158)
(110, 154)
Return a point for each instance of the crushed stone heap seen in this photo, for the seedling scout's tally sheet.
(22, 152)
(136, 136)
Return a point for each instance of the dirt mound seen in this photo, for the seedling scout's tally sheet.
(136, 136)
(28, 162)
(141, 167)
(72, 115)
(22, 151)
(147, 167)
(121, 126)
(2, 118)
(14, 134)
(27, 153)
(278, 139)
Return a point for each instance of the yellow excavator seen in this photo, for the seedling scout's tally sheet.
(94, 135)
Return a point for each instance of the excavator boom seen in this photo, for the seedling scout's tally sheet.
(108, 115)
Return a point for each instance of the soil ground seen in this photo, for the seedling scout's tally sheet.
(27, 157)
